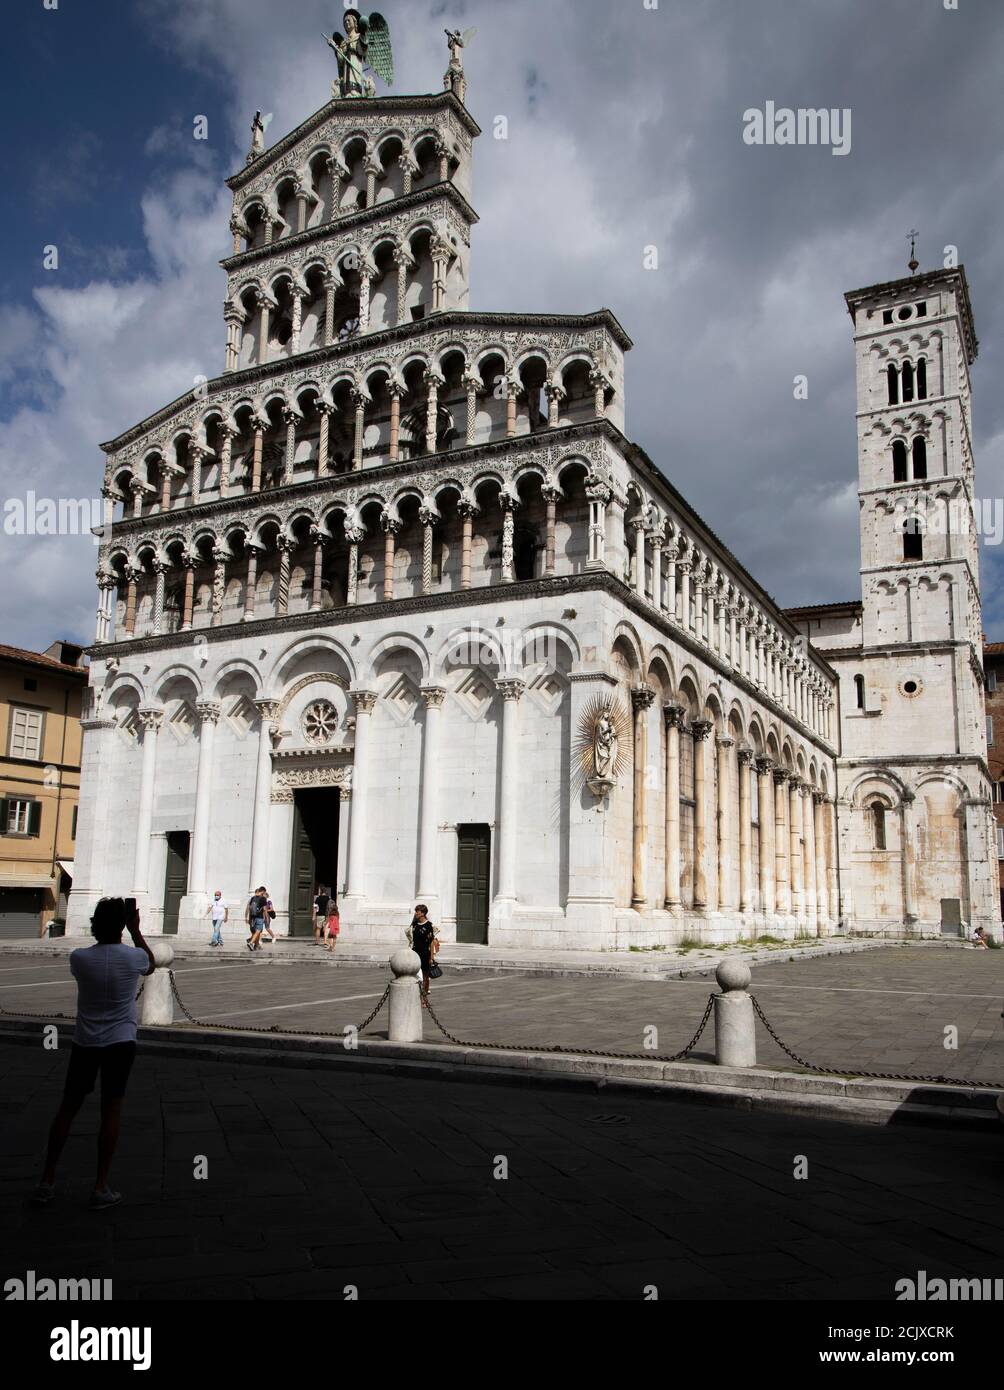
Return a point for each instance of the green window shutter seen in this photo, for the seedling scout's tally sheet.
(35, 818)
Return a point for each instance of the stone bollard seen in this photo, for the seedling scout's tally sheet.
(157, 1003)
(735, 1035)
(405, 1001)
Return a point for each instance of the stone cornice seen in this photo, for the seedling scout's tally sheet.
(367, 342)
(518, 591)
(361, 106)
(350, 221)
(955, 276)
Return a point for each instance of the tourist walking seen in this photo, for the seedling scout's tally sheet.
(423, 940)
(104, 1040)
(269, 916)
(332, 926)
(320, 915)
(218, 912)
(254, 915)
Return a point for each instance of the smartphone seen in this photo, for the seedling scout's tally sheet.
(131, 914)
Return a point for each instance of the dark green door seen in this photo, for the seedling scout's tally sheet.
(473, 868)
(175, 878)
(315, 853)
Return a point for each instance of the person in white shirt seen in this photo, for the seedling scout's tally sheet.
(219, 912)
(104, 1040)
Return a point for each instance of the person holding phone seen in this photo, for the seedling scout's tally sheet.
(423, 940)
(104, 1040)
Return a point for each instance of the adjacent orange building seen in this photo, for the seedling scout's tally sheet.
(40, 703)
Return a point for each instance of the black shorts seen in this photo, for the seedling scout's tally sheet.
(113, 1062)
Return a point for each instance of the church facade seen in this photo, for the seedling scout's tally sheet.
(394, 605)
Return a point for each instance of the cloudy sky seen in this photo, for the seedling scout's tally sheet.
(625, 125)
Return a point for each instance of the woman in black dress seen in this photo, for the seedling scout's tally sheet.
(422, 940)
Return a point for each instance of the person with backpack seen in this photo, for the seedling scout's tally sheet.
(254, 915)
(321, 903)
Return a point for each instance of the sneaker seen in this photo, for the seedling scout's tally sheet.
(44, 1193)
(249, 946)
(105, 1198)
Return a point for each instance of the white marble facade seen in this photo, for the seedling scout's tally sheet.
(403, 551)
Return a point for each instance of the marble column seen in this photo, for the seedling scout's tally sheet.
(671, 555)
(427, 518)
(298, 294)
(433, 382)
(209, 713)
(325, 410)
(599, 383)
(641, 700)
(511, 689)
(701, 729)
(809, 898)
(796, 854)
(683, 571)
(355, 536)
(257, 455)
(219, 590)
(745, 758)
(819, 838)
(265, 304)
(765, 771)
(555, 396)
(151, 718)
(508, 505)
(251, 582)
(366, 274)
(284, 546)
(402, 259)
(725, 896)
(639, 557)
(782, 898)
(391, 526)
(330, 286)
(473, 384)
(468, 511)
(513, 391)
(599, 496)
(267, 712)
(832, 883)
(227, 435)
(395, 391)
(656, 543)
(909, 896)
(188, 564)
(289, 454)
(408, 170)
(359, 401)
(550, 495)
(674, 716)
(318, 538)
(428, 877)
(132, 580)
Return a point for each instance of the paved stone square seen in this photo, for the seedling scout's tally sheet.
(883, 1010)
(318, 1180)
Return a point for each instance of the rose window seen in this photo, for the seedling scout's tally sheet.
(320, 720)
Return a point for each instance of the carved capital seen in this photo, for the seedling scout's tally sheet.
(364, 701)
(208, 711)
(433, 695)
(151, 717)
(510, 687)
(642, 697)
(675, 716)
(701, 728)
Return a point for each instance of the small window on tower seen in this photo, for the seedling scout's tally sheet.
(859, 691)
(887, 316)
(913, 539)
(922, 308)
(922, 380)
(893, 378)
(919, 457)
(898, 461)
(878, 825)
(907, 381)
(905, 312)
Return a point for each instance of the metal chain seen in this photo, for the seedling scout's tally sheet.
(868, 1075)
(275, 1027)
(579, 1051)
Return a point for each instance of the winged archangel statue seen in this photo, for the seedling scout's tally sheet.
(365, 43)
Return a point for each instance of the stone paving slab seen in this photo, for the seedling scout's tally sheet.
(883, 1010)
(399, 1195)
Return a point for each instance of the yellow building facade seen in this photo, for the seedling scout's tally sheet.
(40, 706)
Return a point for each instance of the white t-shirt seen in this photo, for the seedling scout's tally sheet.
(219, 909)
(107, 979)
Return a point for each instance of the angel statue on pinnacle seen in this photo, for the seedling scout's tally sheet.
(365, 43)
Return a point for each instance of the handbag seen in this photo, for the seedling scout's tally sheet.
(434, 970)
